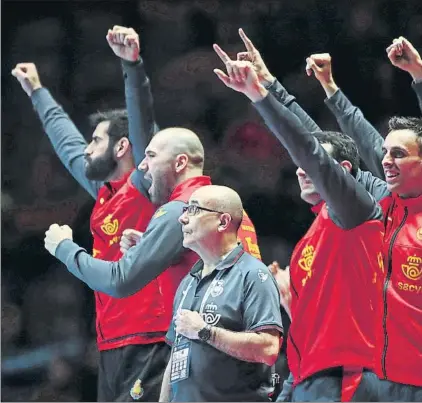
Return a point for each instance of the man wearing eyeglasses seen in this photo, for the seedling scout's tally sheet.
(225, 333)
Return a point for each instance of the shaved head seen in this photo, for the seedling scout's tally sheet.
(220, 198)
(177, 140)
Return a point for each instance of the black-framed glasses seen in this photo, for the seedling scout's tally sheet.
(193, 209)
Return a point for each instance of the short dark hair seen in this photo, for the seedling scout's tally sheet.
(119, 123)
(344, 148)
(407, 123)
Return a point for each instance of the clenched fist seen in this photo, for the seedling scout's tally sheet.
(189, 323)
(124, 42)
(320, 65)
(403, 55)
(27, 75)
(129, 238)
(55, 235)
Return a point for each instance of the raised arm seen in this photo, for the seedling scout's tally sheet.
(349, 202)
(161, 245)
(404, 56)
(142, 126)
(66, 139)
(350, 118)
(270, 82)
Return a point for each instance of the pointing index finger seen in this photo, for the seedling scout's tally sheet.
(248, 43)
(221, 54)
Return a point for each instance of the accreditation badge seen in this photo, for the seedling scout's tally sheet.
(180, 360)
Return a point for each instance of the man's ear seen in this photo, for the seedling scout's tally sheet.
(225, 220)
(122, 147)
(346, 164)
(181, 162)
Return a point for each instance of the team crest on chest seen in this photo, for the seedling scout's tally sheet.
(109, 226)
(305, 262)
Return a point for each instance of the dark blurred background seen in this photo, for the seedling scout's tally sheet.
(48, 341)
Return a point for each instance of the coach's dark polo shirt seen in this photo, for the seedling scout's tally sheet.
(245, 297)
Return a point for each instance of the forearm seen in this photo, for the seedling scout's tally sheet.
(349, 202)
(67, 141)
(289, 101)
(353, 123)
(161, 245)
(165, 386)
(417, 87)
(246, 346)
(139, 103)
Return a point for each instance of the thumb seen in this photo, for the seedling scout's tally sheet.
(222, 76)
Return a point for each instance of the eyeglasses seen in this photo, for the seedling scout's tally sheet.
(193, 209)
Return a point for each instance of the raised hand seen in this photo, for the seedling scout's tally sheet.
(403, 55)
(252, 55)
(27, 75)
(241, 76)
(124, 42)
(320, 65)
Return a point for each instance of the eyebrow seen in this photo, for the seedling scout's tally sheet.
(396, 148)
(194, 202)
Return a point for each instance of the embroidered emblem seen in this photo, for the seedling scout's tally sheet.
(262, 276)
(412, 270)
(137, 390)
(159, 213)
(110, 227)
(217, 289)
(305, 263)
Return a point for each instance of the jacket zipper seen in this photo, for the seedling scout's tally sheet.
(99, 322)
(298, 353)
(386, 283)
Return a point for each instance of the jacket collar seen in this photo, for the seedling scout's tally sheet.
(187, 187)
(413, 204)
(227, 261)
(317, 208)
(115, 185)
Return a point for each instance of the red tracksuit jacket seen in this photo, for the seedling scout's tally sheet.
(400, 355)
(334, 273)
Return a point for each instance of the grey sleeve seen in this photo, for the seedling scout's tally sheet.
(66, 139)
(261, 303)
(349, 203)
(353, 123)
(161, 245)
(286, 393)
(375, 186)
(140, 108)
(281, 94)
(142, 125)
(417, 87)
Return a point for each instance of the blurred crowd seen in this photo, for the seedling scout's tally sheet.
(48, 346)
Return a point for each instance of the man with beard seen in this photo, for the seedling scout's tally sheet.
(105, 168)
(178, 157)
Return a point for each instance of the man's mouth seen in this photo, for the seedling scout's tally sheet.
(390, 175)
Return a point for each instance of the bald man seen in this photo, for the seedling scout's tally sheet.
(226, 327)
